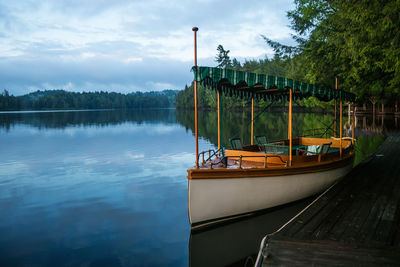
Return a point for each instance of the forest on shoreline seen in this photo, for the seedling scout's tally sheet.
(61, 100)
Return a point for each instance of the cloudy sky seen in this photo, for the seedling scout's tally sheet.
(124, 46)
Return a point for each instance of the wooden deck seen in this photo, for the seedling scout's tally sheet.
(356, 222)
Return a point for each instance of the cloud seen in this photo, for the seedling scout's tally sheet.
(126, 45)
(94, 74)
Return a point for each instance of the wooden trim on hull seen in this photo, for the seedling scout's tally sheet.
(215, 199)
(266, 172)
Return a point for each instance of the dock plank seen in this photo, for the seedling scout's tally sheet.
(356, 221)
(296, 253)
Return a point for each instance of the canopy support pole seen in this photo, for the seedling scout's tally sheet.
(219, 126)
(353, 125)
(220, 112)
(335, 126)
(195, 29)
(341, 126)
(290, 127)
(252, 119)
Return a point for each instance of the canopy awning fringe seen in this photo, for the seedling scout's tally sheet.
(246, 84)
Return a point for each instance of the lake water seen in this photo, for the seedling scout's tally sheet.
(109, 188)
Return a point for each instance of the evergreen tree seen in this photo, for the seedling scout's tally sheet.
(222, 57)
(357, 41)
(236, 64)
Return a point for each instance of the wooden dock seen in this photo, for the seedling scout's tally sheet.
(356, 222)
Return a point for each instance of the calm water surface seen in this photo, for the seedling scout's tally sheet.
(109, 188)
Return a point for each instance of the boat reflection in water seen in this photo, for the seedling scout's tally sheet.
(237, 243)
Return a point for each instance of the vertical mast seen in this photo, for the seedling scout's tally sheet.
(335, 126)
(195, 29)
(340, 120)
(252, 120)
(290, 127)
(220, 116)
(219, 121)
(219, 104)
(353, 125)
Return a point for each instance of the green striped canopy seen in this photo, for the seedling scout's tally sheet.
(262, 86)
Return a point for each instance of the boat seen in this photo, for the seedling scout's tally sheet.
(232, 182)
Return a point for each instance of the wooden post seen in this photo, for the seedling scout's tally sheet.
(364, 122)
(348, 112)
(335, 126)
(353, 125)
(195, 29)
(220, 116)
(290, 127)
(341, 125)
(252, 119)
(220, 113)
(219, 122)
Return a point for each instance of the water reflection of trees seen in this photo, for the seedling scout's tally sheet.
(274, 125)
(86, 118)
(367, 125)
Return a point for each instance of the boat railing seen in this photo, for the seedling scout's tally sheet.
(264, 156)
(211, 153)
(320, 132)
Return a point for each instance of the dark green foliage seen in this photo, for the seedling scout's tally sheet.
(60, 99)
(222, 57)
(236, 64)
(280, 49)
(365, 145)
(357, 41)
(9, 102)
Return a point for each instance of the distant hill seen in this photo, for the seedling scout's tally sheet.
(60, 99)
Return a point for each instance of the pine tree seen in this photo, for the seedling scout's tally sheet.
(222, 57)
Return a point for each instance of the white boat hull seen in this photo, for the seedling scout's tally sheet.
(217, 198)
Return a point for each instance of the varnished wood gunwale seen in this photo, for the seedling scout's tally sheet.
(318, 141)
(274, 159)
(305, 167)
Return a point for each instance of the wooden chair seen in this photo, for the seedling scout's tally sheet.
(324, 148)
(261, 140)
(277, 147)
(314, 150)
(236, 144)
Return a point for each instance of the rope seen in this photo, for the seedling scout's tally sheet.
(328, 127)
(264, 241)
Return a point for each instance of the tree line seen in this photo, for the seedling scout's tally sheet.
(60, 99)
(356, 41)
